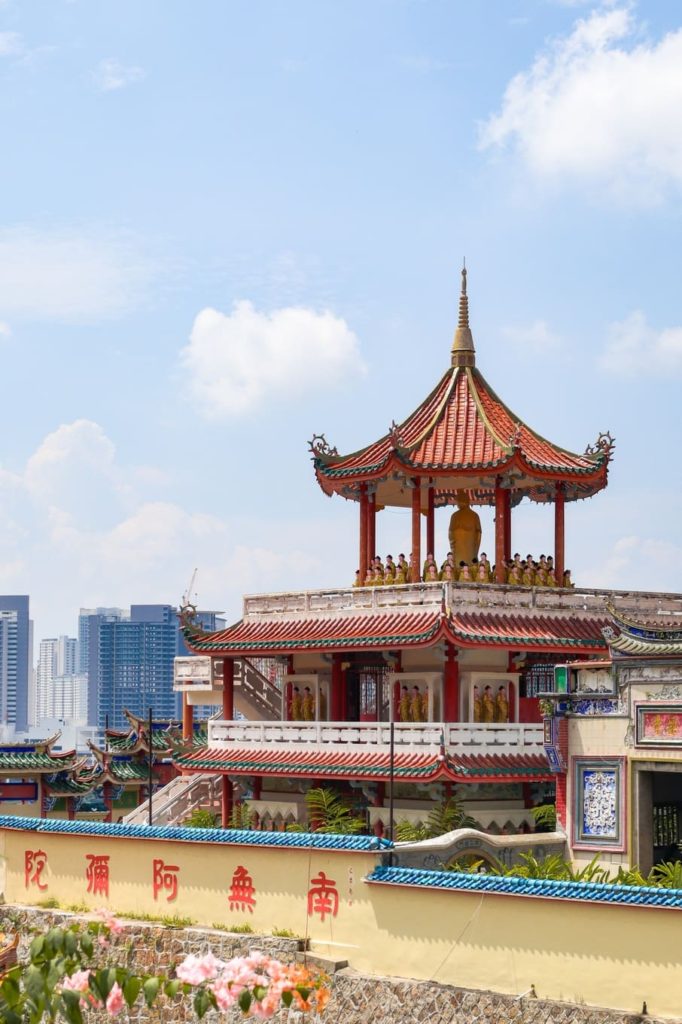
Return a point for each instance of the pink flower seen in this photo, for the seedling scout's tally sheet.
(110, 920)
(77, 982)
(115, 1000)
(197, 969)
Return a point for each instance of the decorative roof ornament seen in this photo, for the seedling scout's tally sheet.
(515, 436)
(319, 445)
(604, 445)
(395, 436)
(463, 351)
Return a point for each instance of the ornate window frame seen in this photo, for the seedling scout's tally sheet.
(611, 838)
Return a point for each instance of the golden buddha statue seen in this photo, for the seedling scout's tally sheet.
(416, 705)
(477, 706)
(404, 710)
(296, 705)
(501, 705)
(400, 576)
(308, 705)
(487, 705)
(464, 532)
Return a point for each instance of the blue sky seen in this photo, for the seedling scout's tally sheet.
(227, 226)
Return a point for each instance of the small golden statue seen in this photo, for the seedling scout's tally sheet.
(501, 705)
(477, 706)
(464, 532)
(405, 715)
(296, 705)
(308, 706)
(488, 705)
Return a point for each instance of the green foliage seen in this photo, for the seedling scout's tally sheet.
(241, 816)
(240, 929)
(443, 818)
(169, 920)
(200, 818)
(285, 933)
(544, 817)
(328, 813)
(49, 903)
(668, 875)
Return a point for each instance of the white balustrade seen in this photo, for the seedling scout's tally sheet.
(461, 596)
(463, 737)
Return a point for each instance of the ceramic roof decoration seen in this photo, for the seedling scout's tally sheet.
(234, 837)
(462, 437)
(525, 631)
(645, 639)
(368, 764)
(591, 892)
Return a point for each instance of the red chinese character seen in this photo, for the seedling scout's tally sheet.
(165, 879)
(35, 862)
(323, 897)
(97, 874)
(242, 891)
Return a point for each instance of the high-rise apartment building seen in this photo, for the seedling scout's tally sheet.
(84, 616)
(57, 659)
(15, 661)
(68, 699)
(130, 665)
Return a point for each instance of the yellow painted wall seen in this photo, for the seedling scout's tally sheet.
(605, 955)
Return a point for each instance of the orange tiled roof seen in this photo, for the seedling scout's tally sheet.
(463, 430)
(521, 631)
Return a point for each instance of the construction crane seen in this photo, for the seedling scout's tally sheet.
(186, 597)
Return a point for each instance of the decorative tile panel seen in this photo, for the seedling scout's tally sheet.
(659, 725)
(598, 803)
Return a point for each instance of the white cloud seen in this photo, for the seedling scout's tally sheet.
(654, 564)
(635, 347)
(65, 274)
(599, 105)
(235, 361)
(77, 527)
(11, 44)
(110, 75)
(536, 336)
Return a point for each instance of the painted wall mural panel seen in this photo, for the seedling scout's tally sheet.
(659, 725)
(598, 803)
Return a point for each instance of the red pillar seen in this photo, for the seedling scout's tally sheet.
(559, 557)
(507, 525)
(371, 527)
(257, 787)
(416, 530)
(364, 559)
(431, 524)
(187, 719)
(337, 688)
(70, 808)
(451, 687)
(225, 802)
(500, 546)
(344, 700)
(108, 802)
(228, 689)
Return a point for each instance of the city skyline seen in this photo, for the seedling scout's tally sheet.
(229, 232)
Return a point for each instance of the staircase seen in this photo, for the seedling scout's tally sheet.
(255, 697)
(176, 801)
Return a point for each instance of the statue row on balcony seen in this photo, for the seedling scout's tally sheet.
(489, 706)
(520, 573)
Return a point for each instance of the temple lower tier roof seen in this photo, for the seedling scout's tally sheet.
(644, 638)
(519, 630)
(368, 765)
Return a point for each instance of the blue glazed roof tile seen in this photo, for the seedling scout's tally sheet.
(293, 840)
(593, 892)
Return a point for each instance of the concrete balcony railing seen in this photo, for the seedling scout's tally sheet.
(463, 597)
(458, 737)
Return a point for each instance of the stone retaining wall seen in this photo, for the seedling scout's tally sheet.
(356, 998)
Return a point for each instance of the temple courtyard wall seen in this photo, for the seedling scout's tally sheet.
(499, 935)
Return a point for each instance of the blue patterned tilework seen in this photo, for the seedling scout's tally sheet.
(591, 892)
(294, 840)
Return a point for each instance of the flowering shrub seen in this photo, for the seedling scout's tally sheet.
(60, 981)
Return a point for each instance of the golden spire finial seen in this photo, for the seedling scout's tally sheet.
(463, 351)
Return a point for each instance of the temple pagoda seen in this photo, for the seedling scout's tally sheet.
(454, 666)
(461, 439)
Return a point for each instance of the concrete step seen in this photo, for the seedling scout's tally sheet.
(324, 963)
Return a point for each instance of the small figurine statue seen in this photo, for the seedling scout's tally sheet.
(483, 576)
(528, 577)
(568, 582)
(464, 574)
(430, 560)
(369, 578)
(402, 563)
(308, 707)
(400, 576)
(357, 582)
(477, 705)
(501, 705)
(487, 705)
(296, 705)
(447, 574)
(416, 705)
(432, 574)
(405, 715)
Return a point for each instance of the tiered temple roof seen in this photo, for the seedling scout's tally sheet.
(462, 438)
(628, 638)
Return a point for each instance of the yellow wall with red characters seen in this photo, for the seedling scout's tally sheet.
(604, 955)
